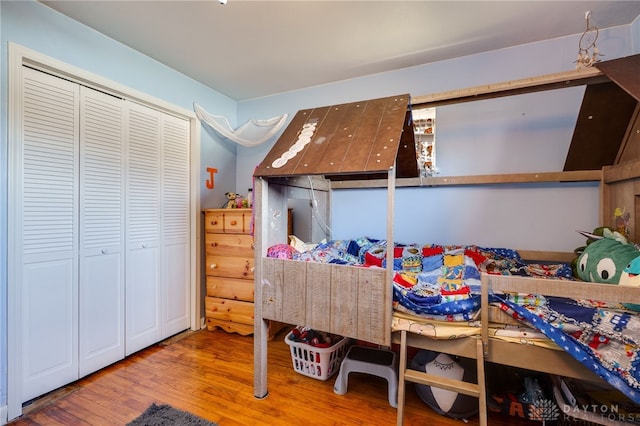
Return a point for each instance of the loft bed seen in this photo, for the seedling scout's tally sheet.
(357, 302)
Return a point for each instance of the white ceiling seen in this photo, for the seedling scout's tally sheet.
(248, 49)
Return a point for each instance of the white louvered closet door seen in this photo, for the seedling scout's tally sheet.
(143, 216)
(175, 225)
(101, 287)
(49, 246)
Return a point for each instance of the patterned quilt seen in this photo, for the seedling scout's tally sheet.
(442, 283)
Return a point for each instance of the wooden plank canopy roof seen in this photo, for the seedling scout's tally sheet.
(606, 117)
(358, 138)
(625, 72)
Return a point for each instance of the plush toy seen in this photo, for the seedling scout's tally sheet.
(610, 260)
(631, 273)
(231, 200)
(603, 260)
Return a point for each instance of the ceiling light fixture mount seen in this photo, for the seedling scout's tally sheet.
(588, 52)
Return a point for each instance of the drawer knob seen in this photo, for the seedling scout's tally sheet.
(104, 251)
(234, 222)
(214, 244)
(213, 266)
(214, 222)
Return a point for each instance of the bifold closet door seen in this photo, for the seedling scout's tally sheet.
(101, 286)
(104, 250)
(157, 222)
(143, 215)
(175, 225)
(49, 247)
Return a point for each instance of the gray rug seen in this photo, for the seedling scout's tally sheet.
(165, 415)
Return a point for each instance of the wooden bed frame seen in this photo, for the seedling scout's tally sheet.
(486, 349)
(357, 302)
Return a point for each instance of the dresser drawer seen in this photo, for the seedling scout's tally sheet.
(235, 221)
(229, 310)
(230, 288)
(214, 221)
(229, 244)
(230, 266)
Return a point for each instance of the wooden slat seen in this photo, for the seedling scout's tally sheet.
(461, 347)
(547, 256)
(336, 148)
(512, 87)
(373, 307)
(271, 288)
(386, 144)
(573, 176)
(538, 359)
(294, 284)
(344, 300)
(358, 153)
(571, 289)
(621, 172)
(318, 296)
(465, 388)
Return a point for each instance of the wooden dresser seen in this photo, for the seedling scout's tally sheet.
(229, 270)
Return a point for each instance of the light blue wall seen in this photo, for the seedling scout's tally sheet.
(41, 29)
(525, 133)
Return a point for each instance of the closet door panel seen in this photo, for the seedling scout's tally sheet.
(142, 299)
(175, 225)
(143, 216)
(49, 288)
(175, 289)
(101, 324)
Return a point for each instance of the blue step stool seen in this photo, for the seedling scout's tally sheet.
(374, 361)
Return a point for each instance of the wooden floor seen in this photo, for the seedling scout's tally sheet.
(210, 374)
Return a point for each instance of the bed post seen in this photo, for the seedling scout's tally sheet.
(260, 327)
(401, 380)
(391, 191)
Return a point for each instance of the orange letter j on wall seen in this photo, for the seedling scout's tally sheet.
(210, 182)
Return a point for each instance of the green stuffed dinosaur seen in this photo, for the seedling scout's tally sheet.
(609, 260)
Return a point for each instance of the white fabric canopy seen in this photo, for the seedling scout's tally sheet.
(251, 133)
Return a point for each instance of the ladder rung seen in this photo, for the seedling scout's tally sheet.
(459, 386)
